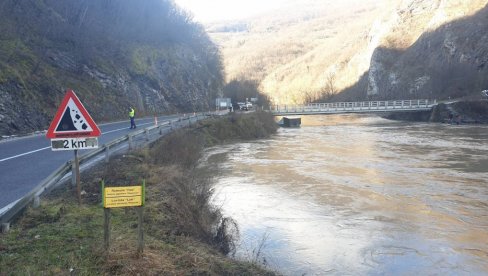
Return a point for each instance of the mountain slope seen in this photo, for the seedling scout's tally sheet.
(438, 51)
(112, 53)
(366, 49)
(293, 50)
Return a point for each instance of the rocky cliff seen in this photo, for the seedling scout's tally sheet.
(433, 49)
(149, 54)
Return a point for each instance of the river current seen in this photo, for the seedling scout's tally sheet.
(360, 195)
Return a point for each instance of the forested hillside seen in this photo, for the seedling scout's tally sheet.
(293, 51)
(149, 54)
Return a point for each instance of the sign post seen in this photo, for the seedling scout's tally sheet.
(77, 172)
(119, 197)
(73, 129)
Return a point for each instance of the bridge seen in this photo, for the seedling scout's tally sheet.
(353, 107)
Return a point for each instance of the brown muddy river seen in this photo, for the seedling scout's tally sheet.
(360, 195)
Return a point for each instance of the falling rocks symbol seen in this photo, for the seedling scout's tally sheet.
(68, 121)
(78, 120)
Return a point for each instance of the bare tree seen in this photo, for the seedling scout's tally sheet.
(309, 97)
(329, 88)
(330, 84)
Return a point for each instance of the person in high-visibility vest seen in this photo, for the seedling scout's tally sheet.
(132, 114)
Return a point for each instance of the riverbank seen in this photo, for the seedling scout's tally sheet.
(184, 233)
(462, 112)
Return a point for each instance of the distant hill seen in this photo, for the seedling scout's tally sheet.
(292, 51)
(358, 49)
(112, 53)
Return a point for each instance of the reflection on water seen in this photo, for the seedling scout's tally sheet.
(353, 194)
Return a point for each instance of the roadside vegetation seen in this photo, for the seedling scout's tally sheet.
(184, 233)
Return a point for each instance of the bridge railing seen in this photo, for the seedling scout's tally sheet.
(355, 106)
(102, 153)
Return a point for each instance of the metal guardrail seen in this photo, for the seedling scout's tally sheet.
(50, 182)
(354, 107)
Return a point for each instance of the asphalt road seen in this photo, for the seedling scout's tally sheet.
(26, 161)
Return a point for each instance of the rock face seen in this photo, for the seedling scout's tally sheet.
(464, 112)
(148, 54)
(435, 49)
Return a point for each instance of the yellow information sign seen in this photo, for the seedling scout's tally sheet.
(116, 197)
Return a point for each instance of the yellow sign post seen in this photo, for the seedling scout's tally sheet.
(118, 197)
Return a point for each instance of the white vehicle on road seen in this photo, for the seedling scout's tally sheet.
(484, 93)
(245, 106)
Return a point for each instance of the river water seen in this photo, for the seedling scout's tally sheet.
(360, 195)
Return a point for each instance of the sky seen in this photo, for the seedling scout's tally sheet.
(217, 10)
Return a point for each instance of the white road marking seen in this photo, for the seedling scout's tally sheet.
(22, 154)
(115, 130)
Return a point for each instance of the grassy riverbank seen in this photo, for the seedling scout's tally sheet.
(184, 233)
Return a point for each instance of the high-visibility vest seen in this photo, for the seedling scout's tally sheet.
(132, 112)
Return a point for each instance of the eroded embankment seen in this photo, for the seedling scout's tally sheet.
(184, 233)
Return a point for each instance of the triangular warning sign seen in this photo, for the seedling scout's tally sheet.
(72, 120)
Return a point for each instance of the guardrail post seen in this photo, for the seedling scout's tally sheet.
(107, 154)
(130, 141)
(147, 134)
(5, 227)
(37, 202)
(171, 125)
(160, 130)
